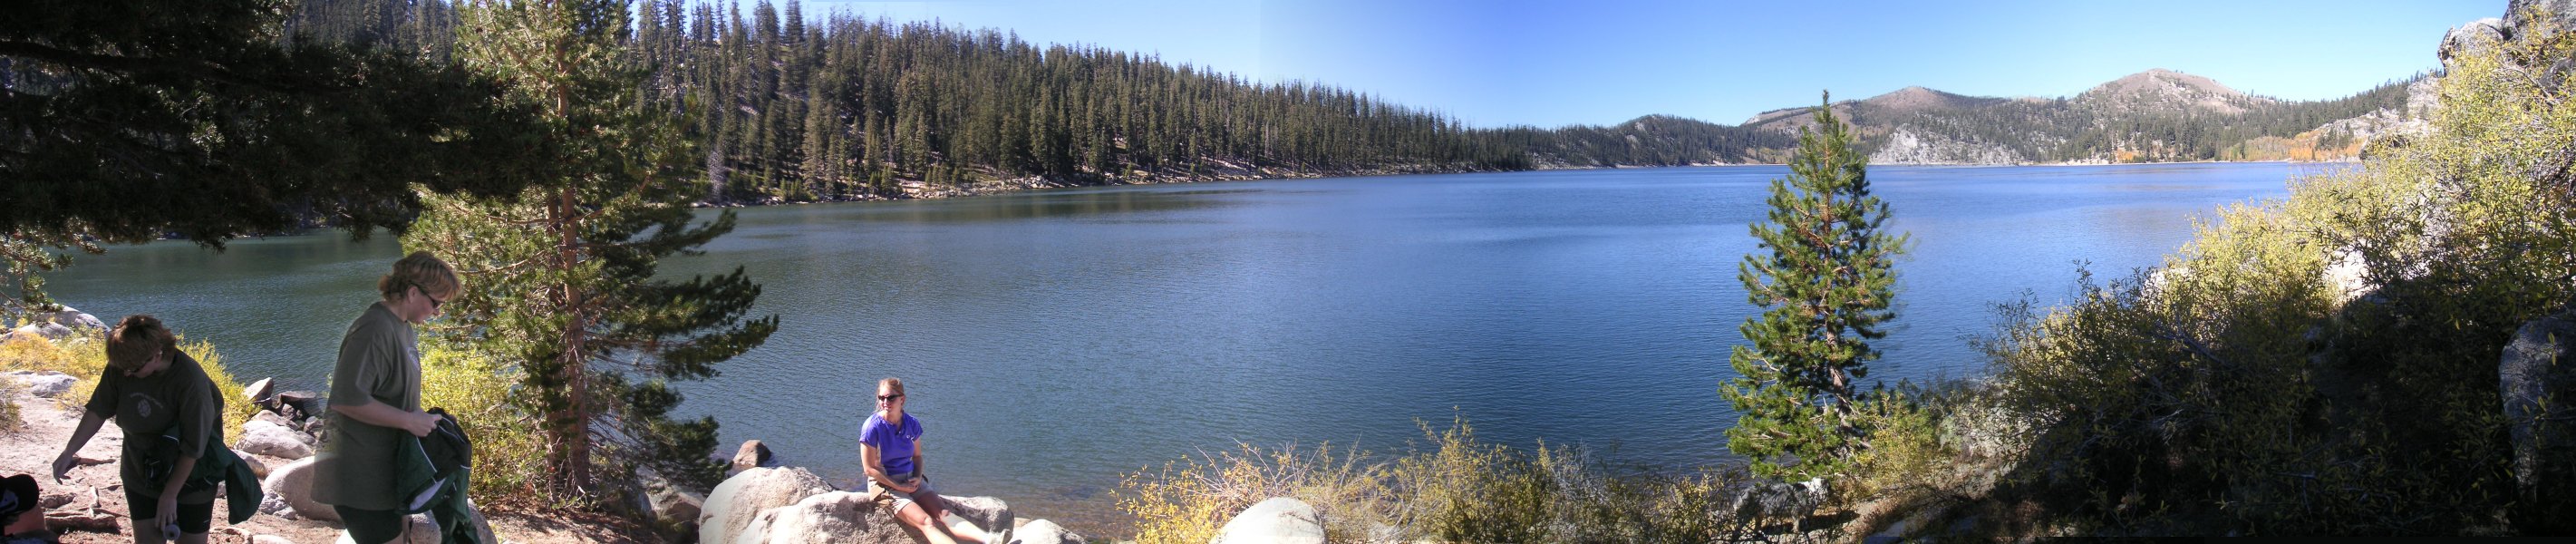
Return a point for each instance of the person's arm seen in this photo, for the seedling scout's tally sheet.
(872, 459)
(90, 421)
(385, 415)
(169, 502)
(918, 466)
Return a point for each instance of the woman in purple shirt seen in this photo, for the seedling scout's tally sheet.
(890, 448)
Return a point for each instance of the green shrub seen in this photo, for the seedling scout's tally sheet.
(509, 452)
(85, 359)
(2235, 389)
(1458, 489)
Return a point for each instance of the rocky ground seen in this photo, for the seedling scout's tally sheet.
(93, 501)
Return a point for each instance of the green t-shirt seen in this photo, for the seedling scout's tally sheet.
(178, 401)
(379, 363)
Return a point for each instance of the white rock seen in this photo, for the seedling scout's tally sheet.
(834, 517)
(257, 468)
(270, 439)
(269, 539)
(43, 384)
(50, 331)
(293, 484)
(421, 532)
(70, 317)
(1279, 520)
(259, 390)
(734, 503)
(1045, 532)
(987, 513)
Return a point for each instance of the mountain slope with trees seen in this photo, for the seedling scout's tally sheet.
(792, 106)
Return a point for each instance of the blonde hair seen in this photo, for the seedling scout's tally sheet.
(419, 269)
(892, 383)
(135, 340)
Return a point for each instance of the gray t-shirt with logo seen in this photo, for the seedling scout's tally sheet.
(379, 363)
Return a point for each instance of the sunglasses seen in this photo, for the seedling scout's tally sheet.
(434, 302)
(888, 398)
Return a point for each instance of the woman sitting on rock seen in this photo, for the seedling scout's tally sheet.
(154, 391)
(890, 448)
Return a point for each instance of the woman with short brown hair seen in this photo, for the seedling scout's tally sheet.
(154, 390)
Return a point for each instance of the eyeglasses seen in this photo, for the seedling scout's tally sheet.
(888, 398)
(434, 302)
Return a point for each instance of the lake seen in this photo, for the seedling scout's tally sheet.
(1053, 340)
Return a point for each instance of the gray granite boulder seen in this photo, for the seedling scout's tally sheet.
(2537, 381)
(734, 503)
(76, 319)
(1279, 520)
(273, 440)
(48, 331)
(42, 384)
(293, 486)
(1041, 531)
(986, 513)
(834, 517)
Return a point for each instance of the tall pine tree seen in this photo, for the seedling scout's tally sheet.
(1826, 285)
(562, 280)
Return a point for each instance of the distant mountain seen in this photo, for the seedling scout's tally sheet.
(2156, 115)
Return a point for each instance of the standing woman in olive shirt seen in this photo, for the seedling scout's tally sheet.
(375, 393)
(154, 390)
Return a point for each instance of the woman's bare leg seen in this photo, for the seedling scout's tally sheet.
(929, 528)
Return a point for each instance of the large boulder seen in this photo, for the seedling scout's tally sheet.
(292, 485)
(753, 454)
(76, 319)
(1045, 532)
(2471, 39)
(674, 505)
(47, 330)
(834, 517)
(742, 497)
(986, 513)
(2538, 380)
(1279, 520)
(258, 392)
(46, 384)
(273, 440)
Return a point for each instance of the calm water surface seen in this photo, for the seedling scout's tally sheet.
(1054, 340)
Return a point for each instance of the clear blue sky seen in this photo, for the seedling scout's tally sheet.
(1508, 62)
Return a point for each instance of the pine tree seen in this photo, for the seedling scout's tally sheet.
(562, 279)
(1826, 285)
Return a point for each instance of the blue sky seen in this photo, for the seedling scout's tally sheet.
(1509, 62)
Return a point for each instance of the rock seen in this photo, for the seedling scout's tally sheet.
(48, 331)
(1792, 500)
(1045, 532)
(752, 455)
(2470, 39)
(742, 497)
(987, 513)
(259, 391)
(43, 384)
(257, 468)
(677, 506)
(308, 402)
(273, 419)
(293, 485)
(2538, 378)
(269, 539)
(76, 319)
(421, 532)
(1279, 520)
(273, 440)
(834, 517)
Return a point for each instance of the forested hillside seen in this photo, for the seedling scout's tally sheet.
(793, 106)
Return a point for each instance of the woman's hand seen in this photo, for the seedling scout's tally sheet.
(63, 464)
(169, 513)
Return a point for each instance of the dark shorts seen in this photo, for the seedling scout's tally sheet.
(194, 517)
(373, 526)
